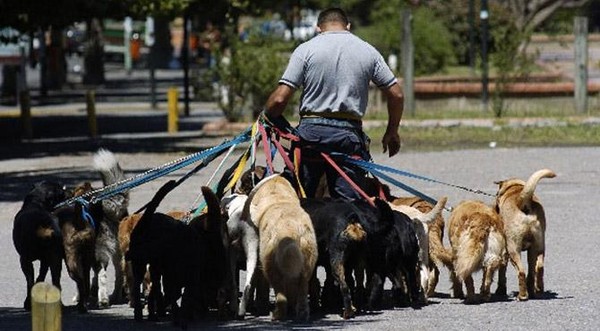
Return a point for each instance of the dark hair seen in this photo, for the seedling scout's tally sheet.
(332, 15)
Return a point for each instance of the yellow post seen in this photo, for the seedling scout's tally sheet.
(173, 115)
(46, 314)
(90, 98)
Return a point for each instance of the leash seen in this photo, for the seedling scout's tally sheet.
(348, 179)
(369, 166)
(160, 171)
(84, 212)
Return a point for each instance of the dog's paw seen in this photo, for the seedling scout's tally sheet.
(349, 313)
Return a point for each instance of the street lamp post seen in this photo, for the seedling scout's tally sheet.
(484, 16)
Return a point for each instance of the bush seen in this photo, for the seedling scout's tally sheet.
(247, 73)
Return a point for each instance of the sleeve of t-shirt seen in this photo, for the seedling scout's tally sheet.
(383, 76)
(293, 75)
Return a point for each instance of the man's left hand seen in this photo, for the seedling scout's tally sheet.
(391, 142)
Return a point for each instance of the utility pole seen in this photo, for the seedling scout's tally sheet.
(484, 16)
(581, 62)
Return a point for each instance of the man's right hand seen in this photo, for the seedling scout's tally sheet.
(391, 142)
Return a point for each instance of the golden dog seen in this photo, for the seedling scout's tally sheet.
(478, 242)
(287, 243)
(525, 227)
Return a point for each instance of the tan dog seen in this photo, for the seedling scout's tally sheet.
(287, 243)
(423, 222)
(525, 227)
(126, 226)
(438, 254)
(478, 242)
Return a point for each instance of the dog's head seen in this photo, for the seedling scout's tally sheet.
(250, 178)
(47, 194)
(233, 205)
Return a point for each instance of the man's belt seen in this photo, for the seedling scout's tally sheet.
(332, 115)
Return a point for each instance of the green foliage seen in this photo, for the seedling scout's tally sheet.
(432, 40)
(249, 72)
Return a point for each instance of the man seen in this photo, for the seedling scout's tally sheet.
(335, 68)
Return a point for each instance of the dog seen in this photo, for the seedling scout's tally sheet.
(79, 240)
(114, 209)
(126, 226)
(287, 243)
(439, 255)
(423, 222)
(340, 240)
(525, 226)
(477, 238)
(36, 235)
(190, 257)
(392, 252)
(243, 236)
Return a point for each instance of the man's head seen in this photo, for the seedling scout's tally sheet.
(332, 19)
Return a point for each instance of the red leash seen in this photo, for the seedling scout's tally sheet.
(347, 178)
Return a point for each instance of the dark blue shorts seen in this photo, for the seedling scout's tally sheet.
(325, 135)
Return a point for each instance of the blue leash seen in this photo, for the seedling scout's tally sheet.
(369, 166)
(157, 172)
(84, 212)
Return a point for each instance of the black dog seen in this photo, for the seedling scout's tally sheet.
(189, 257)
(37, 236)
(340, 239)
(392, 252)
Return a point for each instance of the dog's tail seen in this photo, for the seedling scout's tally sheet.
(526, 195)
(288, 258)
(433, 214)
(213, 207)
(472, 245)
(154, 203)
(106, 163)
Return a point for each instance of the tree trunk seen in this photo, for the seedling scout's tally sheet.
(93, 56)
(162, 51)
(56, 74)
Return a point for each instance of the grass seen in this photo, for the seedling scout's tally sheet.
(461, 137)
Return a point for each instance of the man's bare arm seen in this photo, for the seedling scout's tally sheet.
(278, 100)
(395, 107)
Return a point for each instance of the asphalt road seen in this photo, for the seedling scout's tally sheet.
(572, 271)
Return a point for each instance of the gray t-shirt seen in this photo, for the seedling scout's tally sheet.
(335, 69)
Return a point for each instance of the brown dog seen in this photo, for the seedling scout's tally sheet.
(525, 227)
(478, 242)
(287, 243)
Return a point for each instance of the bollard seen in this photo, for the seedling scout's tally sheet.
(26, 126)
(173, 115)
(90, 99)
(46, 314)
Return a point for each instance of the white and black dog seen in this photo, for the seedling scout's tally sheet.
(114, 209)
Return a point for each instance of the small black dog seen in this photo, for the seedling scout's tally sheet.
(392, 252)
(340, 239)
(37, 236)
(189, 257)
